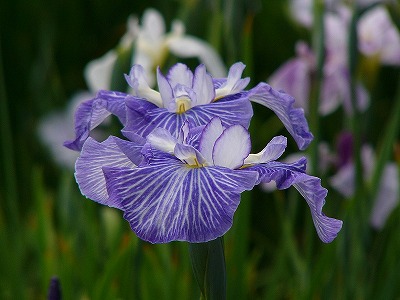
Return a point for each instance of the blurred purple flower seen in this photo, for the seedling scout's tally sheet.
(387, 196)
(377, 38)
(186, 96)
(187, 186)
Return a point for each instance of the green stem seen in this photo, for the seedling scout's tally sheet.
(208, 262)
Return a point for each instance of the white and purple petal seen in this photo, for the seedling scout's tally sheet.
(282, 105)
(211, 132)
(203, 86)
(272, 151)
(232, 147)
(143, 117)
(234, 83)
(166, 202)
(310, 188)
(138, 82)
(92, 113)
(95, 156)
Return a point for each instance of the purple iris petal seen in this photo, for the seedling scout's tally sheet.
(282, 105)
(95, 156)
(91, 113)
(168, 201)
(310, 188)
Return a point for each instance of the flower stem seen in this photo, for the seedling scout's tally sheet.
(208, 262)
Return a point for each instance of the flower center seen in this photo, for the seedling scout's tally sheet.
(182, 104)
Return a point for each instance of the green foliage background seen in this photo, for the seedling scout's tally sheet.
(47, 228)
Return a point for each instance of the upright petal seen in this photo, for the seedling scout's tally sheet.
(138, 82)
(232, 147)
(95, 156)
(282, 105)
(210, 134)
(98, 72)
(310, 188)
(180, 74)
(203, 86)
(161, 139)
(93, 112)
(233, 84)
(170, 202)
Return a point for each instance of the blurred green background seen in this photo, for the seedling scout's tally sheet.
(47, 228)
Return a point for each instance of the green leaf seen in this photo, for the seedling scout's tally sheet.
(208, 262)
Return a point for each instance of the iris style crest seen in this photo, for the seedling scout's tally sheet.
(187, 187)
(185, 96)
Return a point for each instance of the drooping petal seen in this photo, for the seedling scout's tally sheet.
(310, 188)
(282, 105)
(94, 156)
(169, 201)
(138, 82)
(343, 180)
(211, 132)
(234, 83)
(186, 46)
(294, 78)
(203, 86)
(272, 151)
(232, 147)
(93, 112)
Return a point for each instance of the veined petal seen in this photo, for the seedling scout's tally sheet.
(211, 132)
(203, 86)
(282, 105)
(170, 202)
(188, 46)
(161, 139)
(94, 156)
(272, 151)
(234, 84)
(93, 112)
(137, 80)
(309, 187)
(143, 117)
(232, 147)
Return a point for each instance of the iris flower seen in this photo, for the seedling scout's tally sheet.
(151, 46)
(187, 187)
(183, 96)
